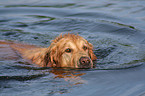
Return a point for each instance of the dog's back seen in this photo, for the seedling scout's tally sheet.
(6, 52)
(10, 50)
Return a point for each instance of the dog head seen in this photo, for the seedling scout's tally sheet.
(71, 51)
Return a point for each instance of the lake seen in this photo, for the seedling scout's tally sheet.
(116, 28)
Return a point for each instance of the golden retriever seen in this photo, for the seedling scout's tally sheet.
(68, 50)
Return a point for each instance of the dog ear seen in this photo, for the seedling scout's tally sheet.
(50, 59)
(92, 55)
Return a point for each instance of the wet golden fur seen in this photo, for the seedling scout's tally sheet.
(64, 51)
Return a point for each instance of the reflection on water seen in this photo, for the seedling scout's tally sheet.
(56, 80)
(115, 28)
(69, 76)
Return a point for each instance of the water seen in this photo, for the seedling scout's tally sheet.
(116, 28)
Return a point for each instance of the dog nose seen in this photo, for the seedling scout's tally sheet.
(85, 62)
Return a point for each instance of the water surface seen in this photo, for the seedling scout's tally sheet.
(115, 28)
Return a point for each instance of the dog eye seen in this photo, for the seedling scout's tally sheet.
(68, 50)
(85, 48)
